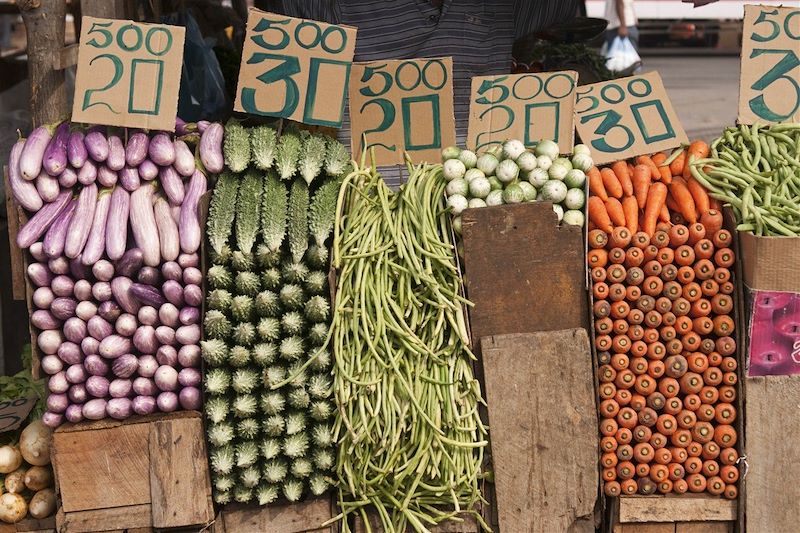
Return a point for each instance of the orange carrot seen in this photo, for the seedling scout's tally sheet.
(615, 212)
(620, 168)
(663, 215)
(664, 171)
(598, 214)
(699, 194)
(631, 210)
(671, 204)
(611, 183)
(676, 167)
(647, 160)
(596, 186)
(697, 150)
(713, 203)
(656, 197)
(641, 183)
(683, 198)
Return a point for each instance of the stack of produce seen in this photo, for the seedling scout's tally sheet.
(510, 174)
(114, 235)
(663, 306)
(755, 170)
(410, 440)
(268, 310)
(27, 478)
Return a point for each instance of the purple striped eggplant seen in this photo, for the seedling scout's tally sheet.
(47, 186)
(143, 224)
(96, 145)
(136, 149)
(41, 221)
(168, 237)
(161, 150)
(56, 236)
(117, 223)
(172, 185)
(106, 177)
(76, 150)
(211, 148)
(148, 170)
(130, 263)
(68, 178)
(30, 160)
(96, 242)
(88, 173)
(24, 191)
(55, 155)
(81, 222)
(202, 125)
(116, 153)
(129, 178)
(189, 224)
(184, 159)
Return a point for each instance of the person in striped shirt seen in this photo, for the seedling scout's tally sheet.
(477, 34)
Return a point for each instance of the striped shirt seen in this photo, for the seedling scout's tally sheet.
(477, 34)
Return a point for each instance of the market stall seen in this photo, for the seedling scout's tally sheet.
(240, 326)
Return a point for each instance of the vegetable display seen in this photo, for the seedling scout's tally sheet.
(511, 174)
(410, 440)
(664, 330)
(268, 405)
(115, 269)
(754, 169)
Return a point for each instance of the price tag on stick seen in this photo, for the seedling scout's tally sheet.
(769, 86)
(295, 68)
(128, 74)
(529, 107)
(402, 106)
(14, 412)
(627, 117)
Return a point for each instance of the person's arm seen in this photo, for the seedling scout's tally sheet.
(321, 10)
(535, 15)
(622, 31)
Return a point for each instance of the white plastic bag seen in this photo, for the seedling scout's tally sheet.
(621, 55)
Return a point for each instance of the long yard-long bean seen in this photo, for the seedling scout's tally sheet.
(410, 438)
(756, 169)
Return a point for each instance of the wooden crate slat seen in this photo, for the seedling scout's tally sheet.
(303, 517)
(684, 508)
(180, 487)
(132, 516)
(543, 422)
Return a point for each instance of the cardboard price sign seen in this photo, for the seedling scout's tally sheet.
(402, 106)
(128, 74)
(528, 107)
(769, 86)
(627, 117)
(14, 412)
(295, 68)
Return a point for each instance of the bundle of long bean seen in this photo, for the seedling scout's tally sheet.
(410, 438)
(756, 169)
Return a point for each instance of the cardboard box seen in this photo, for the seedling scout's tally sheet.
(299, 517)
(149, 471)
(771, 263)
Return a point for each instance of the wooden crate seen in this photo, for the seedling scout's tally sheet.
(300, 517)
(467, 524)
(146, 472)
(543, 430)
(687, 513)
(31, 525)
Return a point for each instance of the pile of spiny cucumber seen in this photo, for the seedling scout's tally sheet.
(268, 312)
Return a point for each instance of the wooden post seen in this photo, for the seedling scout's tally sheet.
(44, 25)
(107, 9)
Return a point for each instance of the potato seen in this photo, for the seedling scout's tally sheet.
(43, 504)
(38, 478)
(13, 508)
(15, 481)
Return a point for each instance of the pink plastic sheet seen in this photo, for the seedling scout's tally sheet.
(774, 334)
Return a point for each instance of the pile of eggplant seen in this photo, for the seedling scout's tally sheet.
(114, 236)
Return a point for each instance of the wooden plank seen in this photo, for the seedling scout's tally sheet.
(109, 423)
(66, 57)
(101, 469)
(523, 273)
(647, 528)
(543, 422)
(682, 508)
(303, 517)
(17, 261)
(772, 426)
(467, 524)
(180, 485)
(131, 516)
(33, 525)
(704, 527)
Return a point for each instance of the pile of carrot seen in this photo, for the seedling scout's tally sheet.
(664, 333)
(650, 189)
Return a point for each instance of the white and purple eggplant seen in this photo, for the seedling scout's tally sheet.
(81, 222)
(143, 225)
(161, 150)
(54, 161)
(96, 240)
(24, 191)
(96, 145)
(210, 148)
(39, 223)
(32, 156)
